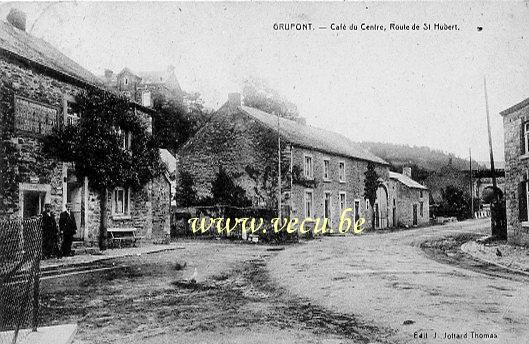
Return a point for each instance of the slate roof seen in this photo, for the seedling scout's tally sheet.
(406, 181)
(311, 137)
(37, 50)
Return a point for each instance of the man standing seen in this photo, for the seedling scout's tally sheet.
(68, 228)
(49, 233)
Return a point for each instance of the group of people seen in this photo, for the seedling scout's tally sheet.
(57, 241)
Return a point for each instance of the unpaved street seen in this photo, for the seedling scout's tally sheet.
(152, 300)
(372, 288)
(388, 280)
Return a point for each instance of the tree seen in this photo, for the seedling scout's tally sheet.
(95, 146)
(257, 94)
(171, 126)
(186, 194)
(371, 184)
(226, 192)
(455, 202)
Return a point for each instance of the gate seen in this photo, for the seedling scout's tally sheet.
(20, 254)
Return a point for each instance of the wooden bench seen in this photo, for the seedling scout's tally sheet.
(118, 236)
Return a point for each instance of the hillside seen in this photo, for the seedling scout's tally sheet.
(423, 157)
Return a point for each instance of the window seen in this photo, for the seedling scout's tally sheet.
(308, 168)
(124, 138)
(308, 204)
(342, 201)
(126, 81)
(71, 117)
(327, 205)
(341, 171)
(357, 210)
(421, 209)
(326, 169)
(146, 98)
(120, 204)
(525, 135)
(421, 194)
(367, 204)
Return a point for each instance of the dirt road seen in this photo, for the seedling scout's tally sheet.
(389, 280)
(151, 299)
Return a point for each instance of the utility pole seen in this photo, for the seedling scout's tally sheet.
(471, 186)
(279, 172)
(498, 221)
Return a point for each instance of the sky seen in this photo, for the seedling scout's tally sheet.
(415, 87)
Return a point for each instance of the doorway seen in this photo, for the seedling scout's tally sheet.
(415, 214)
(32, 203)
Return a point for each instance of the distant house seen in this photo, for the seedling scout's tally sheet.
(143, 86)
(322, 171)
(516, 140)
(38, 84)
(410, 201)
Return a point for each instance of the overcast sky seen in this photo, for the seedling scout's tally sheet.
(414, 87)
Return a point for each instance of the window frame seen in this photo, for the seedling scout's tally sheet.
(525, 128)
(308, 174)
(356, 203)
(327, 173)
(340, 163)
(325, 194)
(305, 194)
(125, 211)
(340, 194)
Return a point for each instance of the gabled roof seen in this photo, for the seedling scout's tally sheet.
(311, 137)
(36, 50)
(406, 181)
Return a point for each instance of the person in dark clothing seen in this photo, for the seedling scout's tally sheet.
(50, 237)
(68, 228)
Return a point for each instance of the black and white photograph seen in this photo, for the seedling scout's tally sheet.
(245, 172)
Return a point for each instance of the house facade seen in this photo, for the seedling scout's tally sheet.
(322, 172)
(143, 86)
(38, 84)
(516, 141)
(409, 202)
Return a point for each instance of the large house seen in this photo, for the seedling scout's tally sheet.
(322, 172)
(410, 201)
(37, 86)
(516, 138)
(142, 86)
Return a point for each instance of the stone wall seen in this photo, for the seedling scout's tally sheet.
(405, 199)
(240, 145)
(353, 185)
(22, 161)
(516, 168)
(248, 152)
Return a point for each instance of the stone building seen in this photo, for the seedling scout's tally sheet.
(322, 171)
(37, 86)
(409, 200)
(142, 86)
(516, 140)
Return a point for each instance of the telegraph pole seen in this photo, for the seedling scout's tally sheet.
(278, 172)
(471, 186)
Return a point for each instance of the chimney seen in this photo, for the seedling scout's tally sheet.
(234, 99)
(17, 18)
(406, 171)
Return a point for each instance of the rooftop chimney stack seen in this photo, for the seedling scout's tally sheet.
(406, 171)
(234, 100)
(17, 18)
